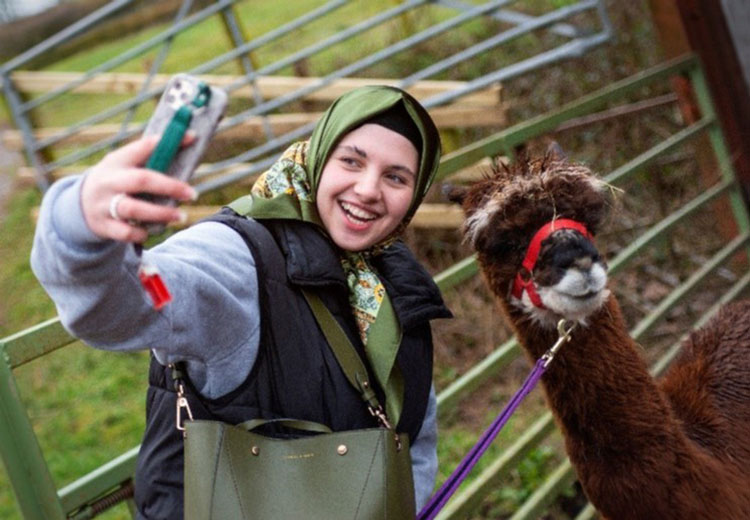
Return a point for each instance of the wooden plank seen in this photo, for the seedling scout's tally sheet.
(473, 173)
(25, 174)
(430, 216)
(447, 216)
(445, 117)
(270, 86)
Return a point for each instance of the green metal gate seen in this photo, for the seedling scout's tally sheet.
(726, 261)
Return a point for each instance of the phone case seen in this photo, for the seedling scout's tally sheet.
(181, 90)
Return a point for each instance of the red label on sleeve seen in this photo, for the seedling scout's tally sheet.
(154, 286)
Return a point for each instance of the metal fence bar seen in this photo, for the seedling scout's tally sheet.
(265, 107)
(687, 287)
(516, 18)
(130, 53)
(247, 65)
(656, 231)
(664, 147)
(518, 134)
(14, 102)
(156, 65)
(66, 34)
(477, 375)
(526, 27)
(561, 477)
(24, 462)
(573, 49)
(457, 273)
(734, 291)
(208, 66)
(469, 498)
(35, 342)
(716, 137)
(99, 481)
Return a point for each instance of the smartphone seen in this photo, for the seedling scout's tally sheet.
(182, 90)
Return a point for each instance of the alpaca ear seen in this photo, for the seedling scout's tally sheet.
(454, 193)
(555, 152)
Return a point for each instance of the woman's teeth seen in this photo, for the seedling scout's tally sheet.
(357, 213)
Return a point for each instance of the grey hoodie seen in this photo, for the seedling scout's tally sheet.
(211, 275)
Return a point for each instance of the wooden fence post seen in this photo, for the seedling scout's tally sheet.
(708, 34)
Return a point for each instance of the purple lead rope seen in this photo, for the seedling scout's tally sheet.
(439, 499)
(449, 487)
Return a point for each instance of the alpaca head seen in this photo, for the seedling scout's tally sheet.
(507, 209)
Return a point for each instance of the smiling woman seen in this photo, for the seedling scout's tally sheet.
(367, 186)
(325, 219)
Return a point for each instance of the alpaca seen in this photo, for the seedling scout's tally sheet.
(678, 448)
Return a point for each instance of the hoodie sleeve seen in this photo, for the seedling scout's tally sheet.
(423, 453)
(213, 322)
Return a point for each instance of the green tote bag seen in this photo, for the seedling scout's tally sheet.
(232, 472)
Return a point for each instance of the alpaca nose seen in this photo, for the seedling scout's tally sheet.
(582, 256)
(567, 249)
(583, 263)
(587, 257)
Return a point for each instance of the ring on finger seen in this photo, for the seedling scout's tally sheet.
(113, 203)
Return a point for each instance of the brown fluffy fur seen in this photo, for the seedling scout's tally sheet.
(676, 449)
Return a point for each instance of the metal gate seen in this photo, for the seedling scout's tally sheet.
(719, 272)
(269, 100)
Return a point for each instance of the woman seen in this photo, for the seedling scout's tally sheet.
(326, 218)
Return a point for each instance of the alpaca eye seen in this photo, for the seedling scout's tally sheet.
(500, 245)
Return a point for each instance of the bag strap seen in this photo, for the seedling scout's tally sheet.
(347, 356)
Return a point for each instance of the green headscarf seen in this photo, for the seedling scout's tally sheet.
(287, 191)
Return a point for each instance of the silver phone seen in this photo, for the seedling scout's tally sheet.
(181, 90)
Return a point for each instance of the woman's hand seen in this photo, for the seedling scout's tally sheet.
(106, 194)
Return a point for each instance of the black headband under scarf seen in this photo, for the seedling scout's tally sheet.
(397, 119)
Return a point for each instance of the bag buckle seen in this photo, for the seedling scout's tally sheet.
(379, 413)
(182, 403)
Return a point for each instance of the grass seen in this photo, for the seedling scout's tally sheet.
(86, 405)
(24, 302)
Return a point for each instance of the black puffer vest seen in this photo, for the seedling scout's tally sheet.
(295, 374)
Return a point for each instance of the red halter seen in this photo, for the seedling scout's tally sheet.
(532, 254)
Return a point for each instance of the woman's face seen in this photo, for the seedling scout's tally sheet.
(366, 186)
